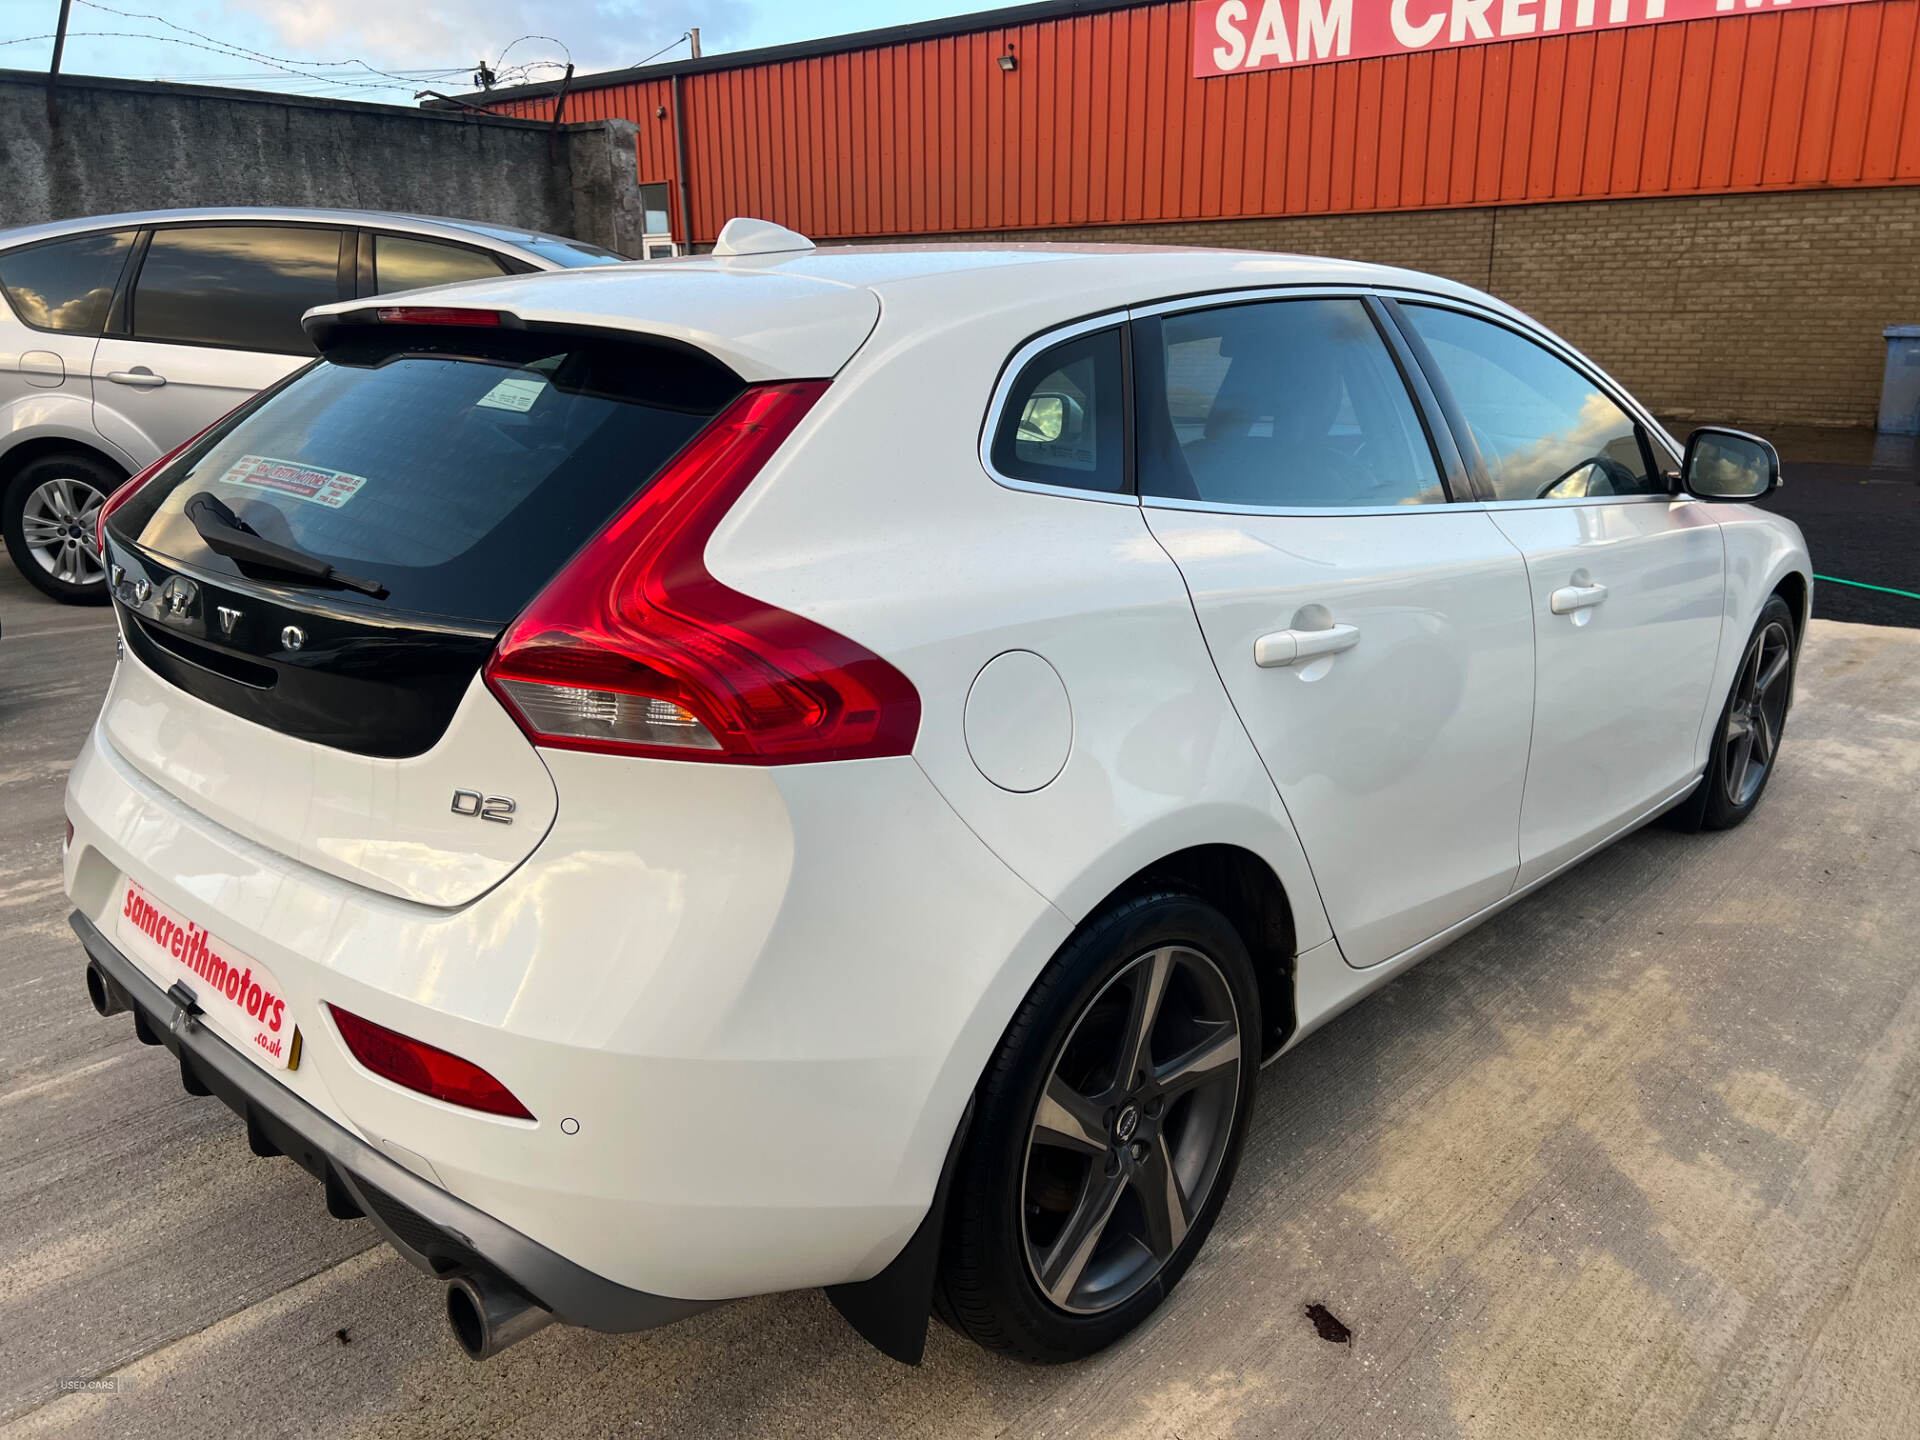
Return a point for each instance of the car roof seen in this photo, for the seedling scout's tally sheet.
(521, 243)
(805, 312)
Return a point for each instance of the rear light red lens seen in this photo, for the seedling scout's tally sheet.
(635, 648)
(127, 488)
(425, 1068)
(434, 315)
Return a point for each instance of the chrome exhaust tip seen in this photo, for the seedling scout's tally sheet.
(486, 1317)
(105, 995)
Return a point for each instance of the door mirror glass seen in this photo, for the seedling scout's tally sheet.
(1729, 465)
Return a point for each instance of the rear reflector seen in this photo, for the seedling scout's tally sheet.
(434, 315)
(425, 1068)
(635, 648)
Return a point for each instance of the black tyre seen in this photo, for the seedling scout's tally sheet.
(48, 512)
(1106, 1133)
(1746, 743)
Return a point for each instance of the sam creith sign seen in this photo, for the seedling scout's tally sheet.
(1231, 37)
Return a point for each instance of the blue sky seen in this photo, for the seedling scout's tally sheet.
(387, 49)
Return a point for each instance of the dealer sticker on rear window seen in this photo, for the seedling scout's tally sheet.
(312, 483)
(234, 991)
(516, 392)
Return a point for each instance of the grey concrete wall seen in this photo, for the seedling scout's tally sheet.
(130, 145)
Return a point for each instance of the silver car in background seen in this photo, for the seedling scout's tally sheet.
(124, 335)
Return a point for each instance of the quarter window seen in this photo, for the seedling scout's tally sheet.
(403, 263)
(1544, 430)
(1064, 420)
(67, 285)
(1289, 404)
(240, 286)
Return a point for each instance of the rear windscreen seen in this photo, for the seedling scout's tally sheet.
(458, 475)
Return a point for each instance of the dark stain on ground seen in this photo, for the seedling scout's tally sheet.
(1329, 1326)
(343, 1335)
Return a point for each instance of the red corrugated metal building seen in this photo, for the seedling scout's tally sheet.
(1092, 120)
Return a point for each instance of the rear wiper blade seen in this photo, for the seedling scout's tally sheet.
(225, 533)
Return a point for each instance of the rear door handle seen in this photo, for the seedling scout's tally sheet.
(1292, 647)
(139, 377)
(1569, 598)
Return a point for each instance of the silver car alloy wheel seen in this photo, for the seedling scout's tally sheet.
(57, 523)
(1758, 713)
(1131, 1130)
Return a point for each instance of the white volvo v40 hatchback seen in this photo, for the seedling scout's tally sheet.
(835, 768)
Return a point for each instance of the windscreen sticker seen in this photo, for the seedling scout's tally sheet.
(516, 392)
(331, 488)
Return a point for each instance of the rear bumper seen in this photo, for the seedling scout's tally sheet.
(443, 1235)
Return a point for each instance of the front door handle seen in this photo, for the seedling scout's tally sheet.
(1569, 598)
(140, 377)
(1293, 647)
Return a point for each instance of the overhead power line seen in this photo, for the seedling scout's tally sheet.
(292, 74)
(283, 74)
(277, 61)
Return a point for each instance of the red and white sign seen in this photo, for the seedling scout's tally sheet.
(235, 992)
(314, 483)
(1231, 37)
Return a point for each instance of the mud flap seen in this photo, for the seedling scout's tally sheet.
(891, 1310)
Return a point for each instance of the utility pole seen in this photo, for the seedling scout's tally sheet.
(53, 70)
(693, 35)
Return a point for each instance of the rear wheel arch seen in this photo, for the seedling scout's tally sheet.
(1242, 886)
(16, 459)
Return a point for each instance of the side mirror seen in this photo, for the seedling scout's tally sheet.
(1729, 465)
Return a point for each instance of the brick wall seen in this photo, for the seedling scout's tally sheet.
(1764, 309)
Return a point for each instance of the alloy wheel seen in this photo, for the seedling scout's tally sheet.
(1130, 1130)
(1757, 712)
(57, 523)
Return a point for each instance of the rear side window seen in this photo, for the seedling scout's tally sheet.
(1288, 404)
(1064, 422)
(67, 285)
(461, 479)
(239, 286)
(1544, 430)
(403, 263)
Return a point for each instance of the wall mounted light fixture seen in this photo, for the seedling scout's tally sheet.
(1009, 61)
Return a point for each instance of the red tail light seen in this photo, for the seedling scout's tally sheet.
(635, 648)
(425, 1068)
(434, 315)
(125, 493)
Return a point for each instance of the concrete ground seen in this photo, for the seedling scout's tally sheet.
(1640, 1157)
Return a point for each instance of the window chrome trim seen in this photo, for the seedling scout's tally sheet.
(1162, 502)
(1216, 299)
(1010, 373)
(1221, 299)
(1304, 512)
(1529, 329)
